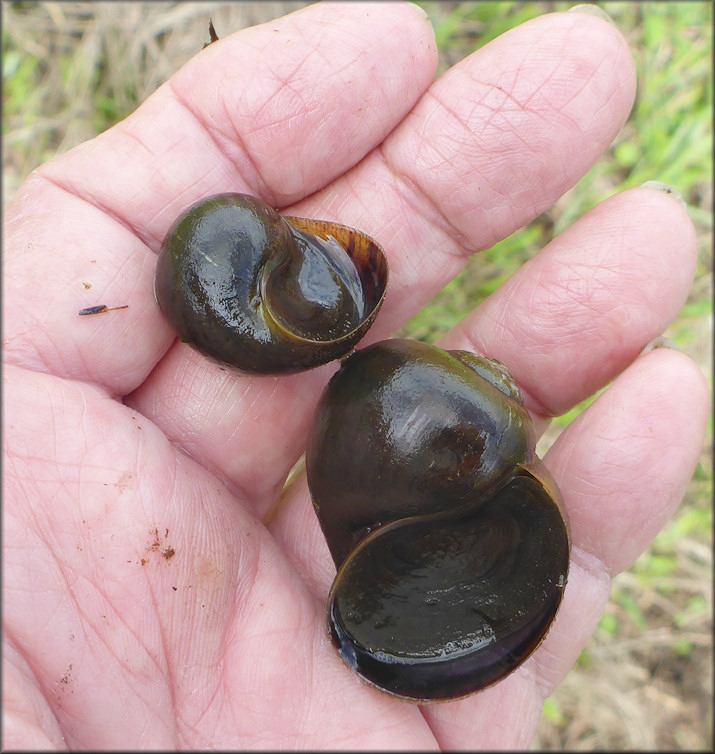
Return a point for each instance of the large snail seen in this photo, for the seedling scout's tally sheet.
(263, 293)
(448, 533)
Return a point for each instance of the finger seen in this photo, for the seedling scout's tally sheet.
(579, 312)
(277, 110)
(649, 433)
(623, 467)
(466, 124)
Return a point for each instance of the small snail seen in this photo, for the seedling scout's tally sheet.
(263, 293)
(448, 533)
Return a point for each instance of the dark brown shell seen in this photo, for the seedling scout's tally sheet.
(449, 535)
(266, 294)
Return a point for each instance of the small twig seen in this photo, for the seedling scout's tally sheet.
(212, 34)
(100, 309)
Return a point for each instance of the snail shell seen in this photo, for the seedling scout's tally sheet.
(449, 535)
(263, 293)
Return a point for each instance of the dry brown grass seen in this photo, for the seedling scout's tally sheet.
(645, 679)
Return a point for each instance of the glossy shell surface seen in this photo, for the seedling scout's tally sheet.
(263, 293)
(448, 533)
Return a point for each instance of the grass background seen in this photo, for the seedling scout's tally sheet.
(73, 69)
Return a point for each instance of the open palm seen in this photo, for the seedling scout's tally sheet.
(155, 594)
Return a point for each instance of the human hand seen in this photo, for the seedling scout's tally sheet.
(146, 605)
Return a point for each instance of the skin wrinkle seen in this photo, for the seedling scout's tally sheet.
(43, 682)
(307, 673)
(573, 325)
(134, 138)
(425, 206)
(32, 666)
(125, 264)
(499, 730)
(132, 681)
(383, 40)
(244, 594)
(189, 733)
(86, 367)
(288, 83)
(25, 707)
(288, 122)
(531, 104)
(57, 183)
(219, 693)
(134, 634)
(284, 85)
(559, 111)
(449, 227)
(456, 118)
(271, 196)
(36, 351)
(309, 39)
(168, 675)
(498, 111)
(628, 458)
(257, 183)
(179, 706)
(142, 192)
(102, 613)
(302, 617)
(615, 63)
(257, 397)
(141, 451)
(193, 384)
(241, 492)
(145, 368)
(593, 75)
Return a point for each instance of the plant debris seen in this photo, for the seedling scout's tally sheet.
(100, 309)
(212, 34)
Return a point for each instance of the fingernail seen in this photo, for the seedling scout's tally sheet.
(594, 10)
(666, 189)
(421, 11)
(660, 342)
